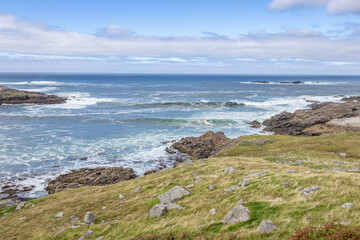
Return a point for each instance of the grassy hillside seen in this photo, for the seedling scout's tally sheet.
(266, 198)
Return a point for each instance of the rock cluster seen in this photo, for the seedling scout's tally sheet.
(13, 96)
(167, 201)
(314, 121)
(90, 177)
(203, 146)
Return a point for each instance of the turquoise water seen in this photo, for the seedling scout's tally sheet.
(121, 120)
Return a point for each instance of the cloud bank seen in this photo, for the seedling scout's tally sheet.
(332, 6)
(26, 40)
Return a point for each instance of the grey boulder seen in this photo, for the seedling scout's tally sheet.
(230, 189)
(266, 226)
(310, 190)
(88, 234)
(89, 218)
(255, 174)
(244, 183)
(237, 214)
(230, 170)
(158, 210)
(347, 205)
(173, 195)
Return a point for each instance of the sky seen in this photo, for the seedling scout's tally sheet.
(181, 36)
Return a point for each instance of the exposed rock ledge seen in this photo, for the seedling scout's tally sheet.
(324, 118)
(90, 177)
(203, 146)
(13, 96)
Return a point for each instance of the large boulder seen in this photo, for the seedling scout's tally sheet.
(203, 146)
(90, 177)
(314, 121)
(173, 195)
(13, 96)
(158, 210)
(237, 214)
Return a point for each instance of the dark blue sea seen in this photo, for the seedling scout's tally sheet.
(121, 120)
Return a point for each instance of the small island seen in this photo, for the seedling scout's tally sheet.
(13, 96)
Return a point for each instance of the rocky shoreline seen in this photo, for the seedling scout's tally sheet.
(321, 118)
(13, 96)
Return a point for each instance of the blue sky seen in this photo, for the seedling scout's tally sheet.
(181, 36)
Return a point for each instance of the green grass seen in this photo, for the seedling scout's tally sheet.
(265, 197)
(315, 152)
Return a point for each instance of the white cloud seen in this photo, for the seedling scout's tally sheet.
(341, 63)
(333, 6)
(343, 6)
(114, 31)
(245, 59)
(24, 40)
(288, 4)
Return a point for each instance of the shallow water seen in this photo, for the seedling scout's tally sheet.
(121, 120)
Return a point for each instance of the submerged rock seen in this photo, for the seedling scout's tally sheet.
(149, 172)
(203, 146)
(13, 96)
(90, 177)
(237, 214)
(255, 124)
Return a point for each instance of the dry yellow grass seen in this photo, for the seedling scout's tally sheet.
(265, 197)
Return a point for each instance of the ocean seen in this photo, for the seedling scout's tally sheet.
(121, 120)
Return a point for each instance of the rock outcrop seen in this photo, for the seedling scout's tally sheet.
(316, 121)
(167, 201)
(203, 146)
(90, 177)
(255, 124)
(13, 96)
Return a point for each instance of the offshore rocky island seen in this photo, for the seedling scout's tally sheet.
(299, 183)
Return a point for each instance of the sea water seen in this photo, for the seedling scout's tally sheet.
(121, 120)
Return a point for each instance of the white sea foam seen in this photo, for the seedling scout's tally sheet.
(44, 89)
(79, 100)
(44, 83)
(290, 83)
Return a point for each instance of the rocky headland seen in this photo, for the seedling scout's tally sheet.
(13, 96)
(204, 146)
(321, 118)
